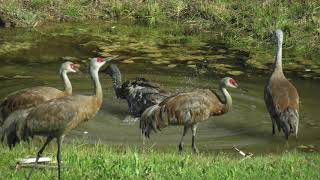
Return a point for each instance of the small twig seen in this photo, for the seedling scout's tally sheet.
(245, 155)
(35, 24)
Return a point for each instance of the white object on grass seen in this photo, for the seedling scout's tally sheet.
(33, 160)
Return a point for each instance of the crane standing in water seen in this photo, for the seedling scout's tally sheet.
(187, 109)
(281, 97)
(139, 93)
(55, 118)
(29, 97)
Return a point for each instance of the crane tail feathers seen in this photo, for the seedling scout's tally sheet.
(289, 121)
(13, 129)
(148, 121)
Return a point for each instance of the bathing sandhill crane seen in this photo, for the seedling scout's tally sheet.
(55, 118)
(139, 93)
(187, 109)
(29, 97)
(281, 97)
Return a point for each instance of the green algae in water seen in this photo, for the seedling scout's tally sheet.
(81, 40)
(14, 47)
(172, 65)
(235, 73)
(128, 61)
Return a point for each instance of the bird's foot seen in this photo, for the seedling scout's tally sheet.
(195, 150)
(180, 148)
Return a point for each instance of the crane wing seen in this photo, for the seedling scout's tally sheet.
(27, 98)
(189, 107)
(61, 115)
(280, 95)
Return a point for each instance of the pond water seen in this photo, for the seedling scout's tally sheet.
(179, 62)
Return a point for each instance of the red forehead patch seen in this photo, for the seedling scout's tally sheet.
(100, 59)
(233, 82)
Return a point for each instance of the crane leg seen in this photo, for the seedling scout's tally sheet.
(143, 138)
(59, 142)
(185, 130)
(273, 127)
(39, 154)
(194, 130)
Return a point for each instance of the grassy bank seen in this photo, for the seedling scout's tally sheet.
(103, 162)
(246, 24)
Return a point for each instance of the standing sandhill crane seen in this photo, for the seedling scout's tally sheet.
(29, 97)
(55, 118)
(139, 93)
(187, 109)
(281, 97)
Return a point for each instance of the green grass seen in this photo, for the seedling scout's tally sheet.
(102, 162)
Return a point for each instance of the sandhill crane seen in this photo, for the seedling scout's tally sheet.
(55, 118)
(187, 109)
(29, 97)
(281, 97)
(139, 93)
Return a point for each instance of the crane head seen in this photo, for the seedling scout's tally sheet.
(69, 67)
(229, 82)
(98, 62)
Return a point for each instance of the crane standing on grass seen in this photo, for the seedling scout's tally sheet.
(55, 118)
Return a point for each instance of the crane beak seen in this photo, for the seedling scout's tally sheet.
(108, 59)
(77, 68)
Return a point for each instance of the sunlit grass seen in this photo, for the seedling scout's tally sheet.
(99, 161)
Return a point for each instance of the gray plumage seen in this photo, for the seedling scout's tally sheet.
(139, 93)
(55, 118)
(187, 109)
(281, 97)
(12, 125)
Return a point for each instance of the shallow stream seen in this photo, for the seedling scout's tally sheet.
(178, 62)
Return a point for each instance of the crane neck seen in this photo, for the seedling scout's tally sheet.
(96, 83)
(117, 82)
(66, 81)
(115, 74)
(278, 58)
(228, 99)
